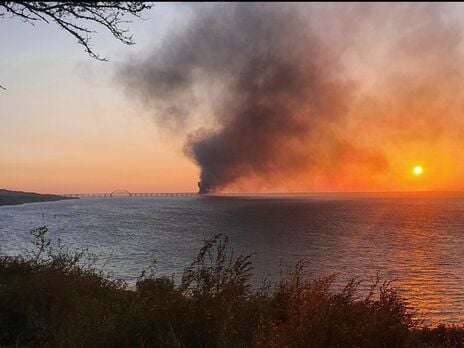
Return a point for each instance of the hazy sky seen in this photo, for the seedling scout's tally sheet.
(67, 125)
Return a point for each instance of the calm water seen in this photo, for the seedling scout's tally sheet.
(415, 239)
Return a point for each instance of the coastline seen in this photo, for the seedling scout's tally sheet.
(8, 197)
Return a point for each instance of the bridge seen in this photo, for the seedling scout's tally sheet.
(125, 193)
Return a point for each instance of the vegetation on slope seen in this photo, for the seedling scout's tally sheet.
(52, 297)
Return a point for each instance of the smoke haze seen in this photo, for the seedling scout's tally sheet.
(292, 93)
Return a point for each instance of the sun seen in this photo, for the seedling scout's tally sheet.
(418, 170)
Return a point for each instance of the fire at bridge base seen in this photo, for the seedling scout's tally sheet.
(204, 189)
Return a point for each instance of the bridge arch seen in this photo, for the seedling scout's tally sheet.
(120, 192)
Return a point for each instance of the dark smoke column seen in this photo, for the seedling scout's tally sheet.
(280, 91)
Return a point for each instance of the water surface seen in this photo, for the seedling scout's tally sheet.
(416, 239)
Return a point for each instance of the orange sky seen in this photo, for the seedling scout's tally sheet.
(68, 128)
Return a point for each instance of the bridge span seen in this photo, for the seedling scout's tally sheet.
(125, 193)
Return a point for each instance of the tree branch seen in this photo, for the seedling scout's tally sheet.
(74, 16)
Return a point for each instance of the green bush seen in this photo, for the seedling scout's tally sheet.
(52, 297)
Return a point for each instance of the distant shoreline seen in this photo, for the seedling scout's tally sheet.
(8, 197)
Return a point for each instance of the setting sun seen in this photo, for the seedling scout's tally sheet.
(418, 170)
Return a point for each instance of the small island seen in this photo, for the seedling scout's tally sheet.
(8, 197)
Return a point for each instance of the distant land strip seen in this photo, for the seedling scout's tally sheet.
(8, 197)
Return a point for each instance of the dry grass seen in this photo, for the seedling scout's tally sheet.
(55, 298)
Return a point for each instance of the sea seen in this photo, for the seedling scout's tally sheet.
(413, 240)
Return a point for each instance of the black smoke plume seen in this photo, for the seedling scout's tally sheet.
(274, 91)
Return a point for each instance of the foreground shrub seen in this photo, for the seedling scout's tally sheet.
(52, 297)
(55, 298)
(308, 314)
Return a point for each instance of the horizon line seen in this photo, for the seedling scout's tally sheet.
(254, 193)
